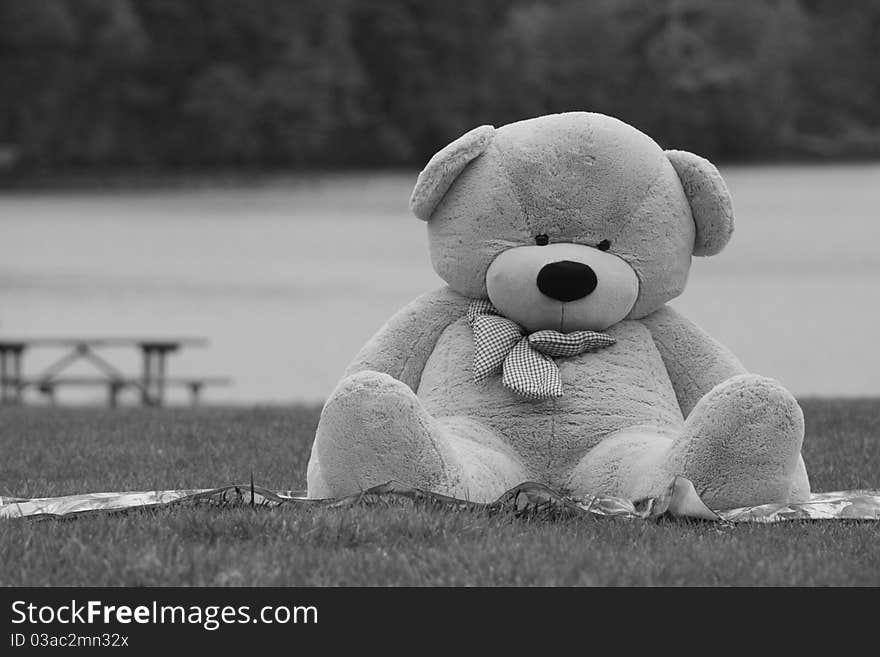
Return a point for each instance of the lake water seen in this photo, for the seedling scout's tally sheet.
(289, 278)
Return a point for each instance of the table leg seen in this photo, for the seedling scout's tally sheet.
(17, 375)
(147, 376)
(195, 387)
(113, 394)
(3, 382)
(160, 377)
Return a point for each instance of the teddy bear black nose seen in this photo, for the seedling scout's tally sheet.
(566, 280)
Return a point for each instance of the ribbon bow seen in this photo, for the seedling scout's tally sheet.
(527, 360)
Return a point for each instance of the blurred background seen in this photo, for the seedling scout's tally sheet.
(241, 171)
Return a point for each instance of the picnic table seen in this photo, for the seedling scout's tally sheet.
(151, 383)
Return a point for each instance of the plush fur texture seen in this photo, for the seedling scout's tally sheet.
(665, 399)
(444, 168)
(709, 199)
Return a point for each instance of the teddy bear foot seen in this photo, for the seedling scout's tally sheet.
(741, 445)
(374, 429)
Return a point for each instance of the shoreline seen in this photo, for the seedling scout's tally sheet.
(133, 180)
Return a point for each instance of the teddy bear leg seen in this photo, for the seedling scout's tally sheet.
(741, 445)
(374, 429)
(625, 464)
(489, 466)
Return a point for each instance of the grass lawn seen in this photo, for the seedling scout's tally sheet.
(63, 451)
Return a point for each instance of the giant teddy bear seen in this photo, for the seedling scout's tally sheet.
(552, 355)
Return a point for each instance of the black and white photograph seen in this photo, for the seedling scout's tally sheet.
(507, 293)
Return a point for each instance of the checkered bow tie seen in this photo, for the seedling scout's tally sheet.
(526, 361)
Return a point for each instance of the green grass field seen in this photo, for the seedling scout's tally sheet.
(63, 451)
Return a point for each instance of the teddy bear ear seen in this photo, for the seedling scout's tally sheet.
(709, 199)
(442, 169)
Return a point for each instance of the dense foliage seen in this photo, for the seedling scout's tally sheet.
(336, 83)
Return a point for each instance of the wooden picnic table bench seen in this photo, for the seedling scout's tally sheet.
(151, 383)
(116, 386)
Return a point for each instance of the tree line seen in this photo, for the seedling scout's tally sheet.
(166, 85)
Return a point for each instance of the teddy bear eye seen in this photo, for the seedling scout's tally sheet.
(542, 239)
(604, 245)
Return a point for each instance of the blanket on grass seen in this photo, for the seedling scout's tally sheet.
(680, 501)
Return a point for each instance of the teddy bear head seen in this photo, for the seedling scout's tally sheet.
(570, 221)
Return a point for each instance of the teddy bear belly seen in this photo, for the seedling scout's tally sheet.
(620, 387)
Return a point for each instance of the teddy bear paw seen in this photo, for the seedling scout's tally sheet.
(741, 445)
(373, 429)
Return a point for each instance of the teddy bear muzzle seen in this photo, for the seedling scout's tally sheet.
(563, 287)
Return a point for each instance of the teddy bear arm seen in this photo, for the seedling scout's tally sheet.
(694, 360)
(402, 346)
